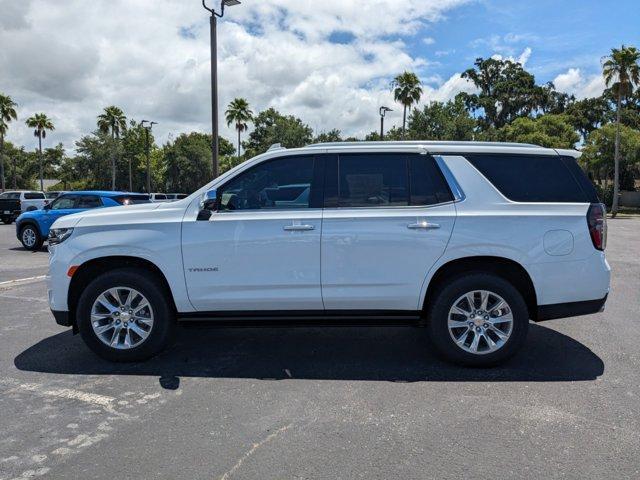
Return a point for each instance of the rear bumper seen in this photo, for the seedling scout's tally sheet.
(572, 309)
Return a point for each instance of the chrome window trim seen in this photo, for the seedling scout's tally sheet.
(456, 189)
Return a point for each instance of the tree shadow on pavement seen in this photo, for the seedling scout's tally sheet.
(398, 354)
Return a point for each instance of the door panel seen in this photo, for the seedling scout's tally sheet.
(261, 249)
(389, 218)
(254, 261)
(377, 259)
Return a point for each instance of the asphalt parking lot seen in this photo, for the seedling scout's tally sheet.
(276, 403)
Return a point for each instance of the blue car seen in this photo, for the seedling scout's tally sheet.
(32, 228)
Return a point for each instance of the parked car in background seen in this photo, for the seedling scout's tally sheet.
(470, 239)
(176, 196)
(13, 203)
(52, 195)
(159, 198)
(32, 228)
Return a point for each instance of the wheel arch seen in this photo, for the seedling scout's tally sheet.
(506, 268)
(97, 266)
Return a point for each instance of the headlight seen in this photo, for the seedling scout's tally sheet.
(59, 235)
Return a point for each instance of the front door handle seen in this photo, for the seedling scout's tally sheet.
(424, 225)
(298, 228)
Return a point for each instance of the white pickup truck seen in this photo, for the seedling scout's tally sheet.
(13, 203)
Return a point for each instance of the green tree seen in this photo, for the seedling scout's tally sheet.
(552, 131)
(330, 136)
(239, 114)
(506, 91)
(622, 73)
(407, 90)
(599, 152)
(549, 100)
(442, 121)
(187, 161)
(113, 121)
(134, 153)
(41, 123)
(7, 113)
(588, 114)
(273, 127)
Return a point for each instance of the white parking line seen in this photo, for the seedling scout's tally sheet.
(20, 281)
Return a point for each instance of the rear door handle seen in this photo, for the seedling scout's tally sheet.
(298, 228)
(424, 225)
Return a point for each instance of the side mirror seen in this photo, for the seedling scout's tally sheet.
(208, 205)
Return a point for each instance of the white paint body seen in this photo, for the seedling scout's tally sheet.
(353, 258)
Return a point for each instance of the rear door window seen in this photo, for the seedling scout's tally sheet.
(383, 180)
(530, 178)
(88, 201)
(373, 180)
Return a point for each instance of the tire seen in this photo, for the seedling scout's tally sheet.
(492, 323)
(158, 335)
(30, 237)
(7, 220)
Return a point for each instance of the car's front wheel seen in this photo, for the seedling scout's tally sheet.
(30, 237)
(123, 315)
(478, 320)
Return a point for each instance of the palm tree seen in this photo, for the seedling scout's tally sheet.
(41, 123)
(113, 121)
(239, 113)
(407, 90)
(621, 72)
(7, 113)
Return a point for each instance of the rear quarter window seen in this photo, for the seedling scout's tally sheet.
(34, 196)
(531, 178)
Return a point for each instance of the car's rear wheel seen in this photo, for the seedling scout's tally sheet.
(124, 316)
(30, 237)
(478, 320)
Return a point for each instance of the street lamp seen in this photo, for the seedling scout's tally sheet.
(146, 144)
(214, 77)
(383, 112)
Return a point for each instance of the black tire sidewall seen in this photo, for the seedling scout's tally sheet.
(439, 311)
(38, 243)
(149, 285)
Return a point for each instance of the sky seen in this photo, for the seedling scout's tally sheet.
(328, 62)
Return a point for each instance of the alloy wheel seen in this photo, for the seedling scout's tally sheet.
(480, 322)
(122, 318)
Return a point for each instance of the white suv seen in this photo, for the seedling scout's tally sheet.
(470, 239)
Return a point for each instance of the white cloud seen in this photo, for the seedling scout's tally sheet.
(582, 86)
(428, 40)
(523, 58)
(151, 57)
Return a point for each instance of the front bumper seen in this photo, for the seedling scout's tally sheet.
(572, 309)
(62, 318)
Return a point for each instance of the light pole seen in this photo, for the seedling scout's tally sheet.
(213, 20)
(383, 112)
(146, 145)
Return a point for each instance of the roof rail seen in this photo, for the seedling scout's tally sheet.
(276, 146)
(425, 142)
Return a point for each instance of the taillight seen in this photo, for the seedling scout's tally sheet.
(597, 221)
